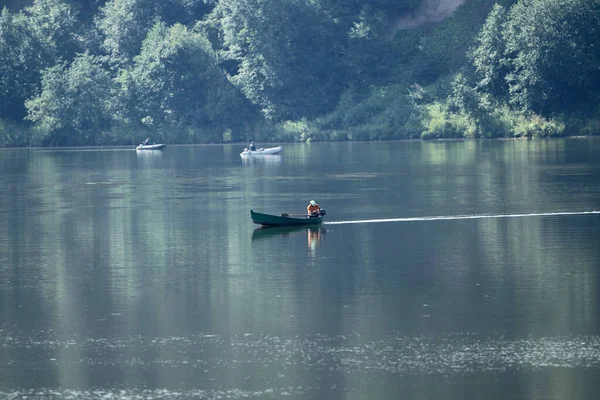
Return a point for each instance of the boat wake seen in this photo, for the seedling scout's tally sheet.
(456, 217)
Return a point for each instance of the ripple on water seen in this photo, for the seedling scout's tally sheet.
(145, 394)
(421, 354)
(207, 361)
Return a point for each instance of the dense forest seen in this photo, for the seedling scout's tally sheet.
(110, 72)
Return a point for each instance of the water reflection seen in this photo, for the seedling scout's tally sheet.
(149, 157)
(271, 159)
(314, 237)
(313, 233)
(464, 283)
(281, 231)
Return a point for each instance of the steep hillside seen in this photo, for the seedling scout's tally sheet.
(80, 72)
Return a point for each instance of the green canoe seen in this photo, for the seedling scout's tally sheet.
(285, 219)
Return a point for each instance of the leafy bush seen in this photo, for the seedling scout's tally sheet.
(384, 113)
(536, 126)
(13, 135)
(439, 122)
(464, 123)
(294, 131)
(582, 124)
(497, 120)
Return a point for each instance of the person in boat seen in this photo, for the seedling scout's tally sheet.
(252, 147)
(313, 209)
(146, 142)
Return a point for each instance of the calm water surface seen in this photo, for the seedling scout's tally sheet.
(445, 270)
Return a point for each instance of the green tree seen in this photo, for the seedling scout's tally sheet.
(553, 46)
(55, 24)
(22, 56)
(74, 105)
(185, 12)
(281, 54)
(369, 53)
(15, 5)
(124, 25)
(175, 83)
(489, 56)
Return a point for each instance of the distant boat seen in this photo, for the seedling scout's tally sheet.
(261, 152)
(151, 146)
(285, 219)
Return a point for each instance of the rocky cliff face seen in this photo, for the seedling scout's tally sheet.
(428, 11)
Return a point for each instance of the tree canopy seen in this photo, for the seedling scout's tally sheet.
(77, 72)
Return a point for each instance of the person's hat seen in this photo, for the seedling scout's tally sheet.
(312, 203)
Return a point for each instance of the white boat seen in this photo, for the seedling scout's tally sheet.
(261, 151)
(151, 146)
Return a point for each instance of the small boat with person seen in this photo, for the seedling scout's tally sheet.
(146, 145)
(153, 146)
(286, 219)
(261, 151)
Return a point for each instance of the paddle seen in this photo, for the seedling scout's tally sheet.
(292, 215)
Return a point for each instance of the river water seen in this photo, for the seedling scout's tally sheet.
(444, 270)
